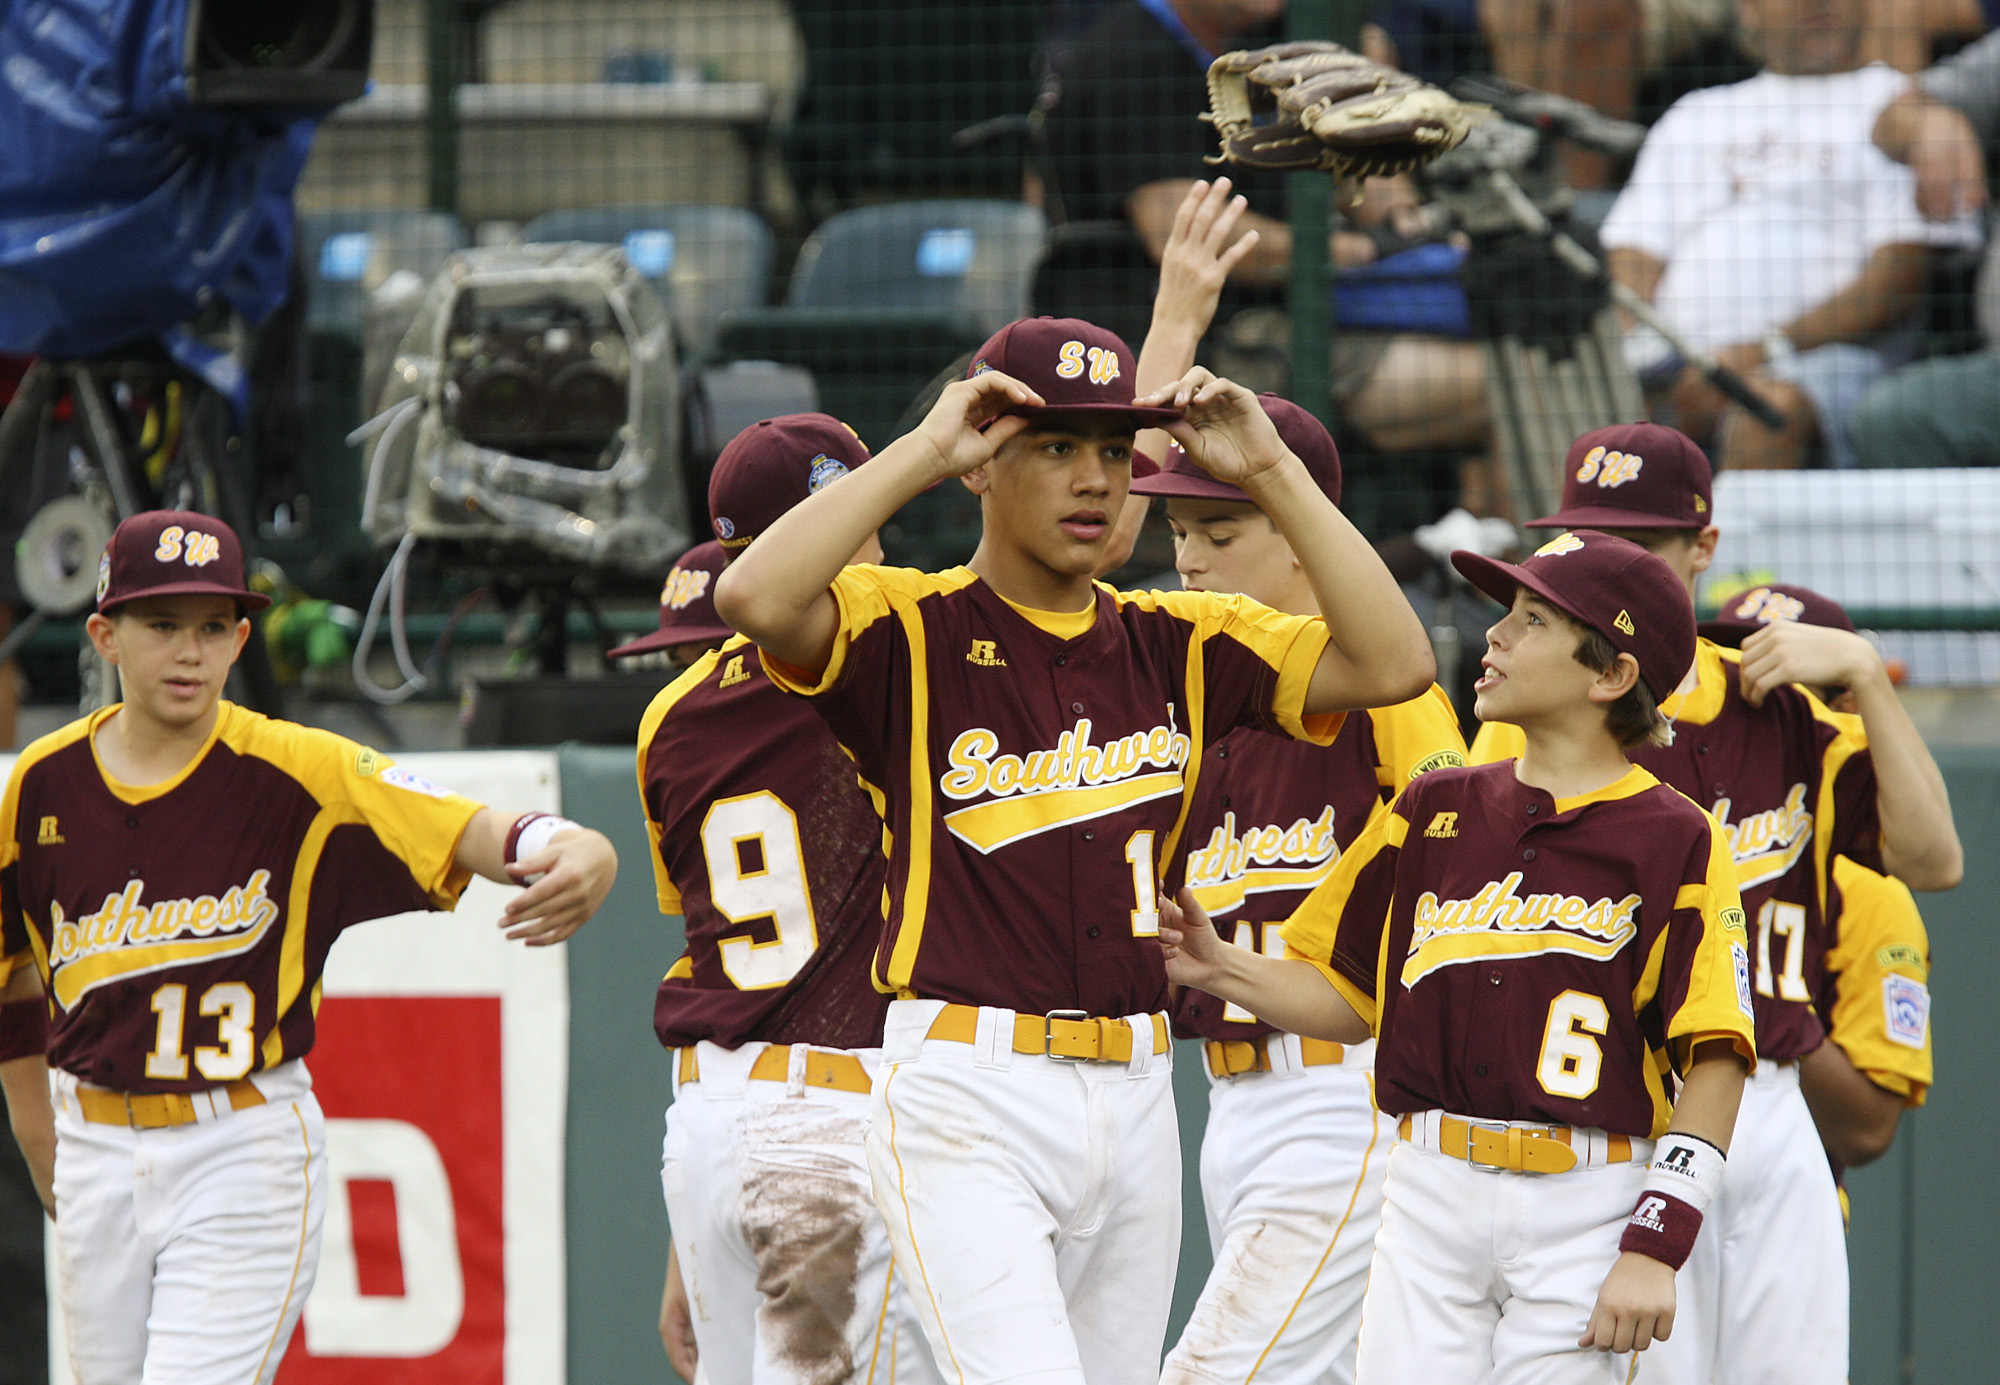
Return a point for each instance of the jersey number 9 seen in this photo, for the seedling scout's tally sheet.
(756, 870)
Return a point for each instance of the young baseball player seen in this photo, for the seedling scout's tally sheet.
(174, 871)
(1031, 740)
(689, 626)
(1538, 947)
(765, 843)
(1874, 994)
(1293, 1156)
(1794, 786)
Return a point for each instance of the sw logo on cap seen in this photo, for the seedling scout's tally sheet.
(191, 546)
(684, 585)
(1559, 545)
(1764, 606)
(1102, 363)
(1608, 468)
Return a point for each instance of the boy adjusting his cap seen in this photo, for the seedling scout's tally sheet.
(175, 869)
(1538, 947)
(1796, 787)
(1030, 739)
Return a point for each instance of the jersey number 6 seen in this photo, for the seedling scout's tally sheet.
(1572, 1061)
(757, 870)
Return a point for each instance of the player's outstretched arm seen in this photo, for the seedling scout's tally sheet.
(567, 873)
(1920, 843)
(777, 591)
(1636, 1306)
(1283, 991)
(1377, 654)
(26, 1082)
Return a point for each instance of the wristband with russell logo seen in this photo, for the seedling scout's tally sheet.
(1681, 1183)
(24, 1028)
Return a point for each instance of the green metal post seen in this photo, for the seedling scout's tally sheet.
(442, 21)
(1309, 207)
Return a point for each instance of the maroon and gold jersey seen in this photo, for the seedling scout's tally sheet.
(764, 842)
(1527, 958)
(1033, 770)
(1874, 995)
(1793, 786)
(181, 927)
(1272, 816)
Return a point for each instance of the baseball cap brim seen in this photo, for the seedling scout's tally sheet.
(669, 639)
(1610, 517)
(1142, 416)
(1501, 580)
(1184, 485)
(248, 600)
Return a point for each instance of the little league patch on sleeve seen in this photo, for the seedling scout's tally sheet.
(1906, 1010)
(415, 783)
(1741, 957)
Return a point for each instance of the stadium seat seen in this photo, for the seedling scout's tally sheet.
(706, 261)
(882, 298)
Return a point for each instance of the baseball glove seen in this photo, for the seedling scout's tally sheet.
(1312, 105)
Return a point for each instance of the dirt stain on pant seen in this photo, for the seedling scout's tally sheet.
(806, 1227)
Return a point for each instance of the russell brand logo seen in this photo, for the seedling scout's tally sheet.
(49, 834)
(986, 653)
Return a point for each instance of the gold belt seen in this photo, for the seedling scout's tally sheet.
(1066, 1034)
(157, 1110)
(1228, 1057)
(840, 1071)
(1543, 1149)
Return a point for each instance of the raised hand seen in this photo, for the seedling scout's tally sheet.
(575, 872)
(970, 421)
(1818, 656)
(1223, 428)
(1200, 256)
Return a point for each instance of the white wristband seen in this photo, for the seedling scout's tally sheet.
(534, 838)
(1688, 1167)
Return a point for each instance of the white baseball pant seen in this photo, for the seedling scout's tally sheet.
(1764, 1294)
(1489, 1278)
(1292, 1165)
(1034, 1204)
(784, 1259)
(185, 1254)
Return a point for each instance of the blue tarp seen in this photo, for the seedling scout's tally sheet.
(124, 210)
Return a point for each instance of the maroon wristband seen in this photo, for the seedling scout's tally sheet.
(24, 1029)
(1663, 1227)
(508, 856)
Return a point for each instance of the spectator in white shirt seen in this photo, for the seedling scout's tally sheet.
(1766, 227)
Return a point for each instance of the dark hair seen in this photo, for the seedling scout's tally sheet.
(1635, 717)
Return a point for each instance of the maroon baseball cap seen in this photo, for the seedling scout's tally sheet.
(1634, 476)
(1305, 435)
(687, 604)
(173, 553)
(773, 465)
(1752, 610)
(1075, 367)
(1612, 585)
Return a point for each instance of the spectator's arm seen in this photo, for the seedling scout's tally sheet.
(1942, 150)
(1152, 208)
(1889, 287)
